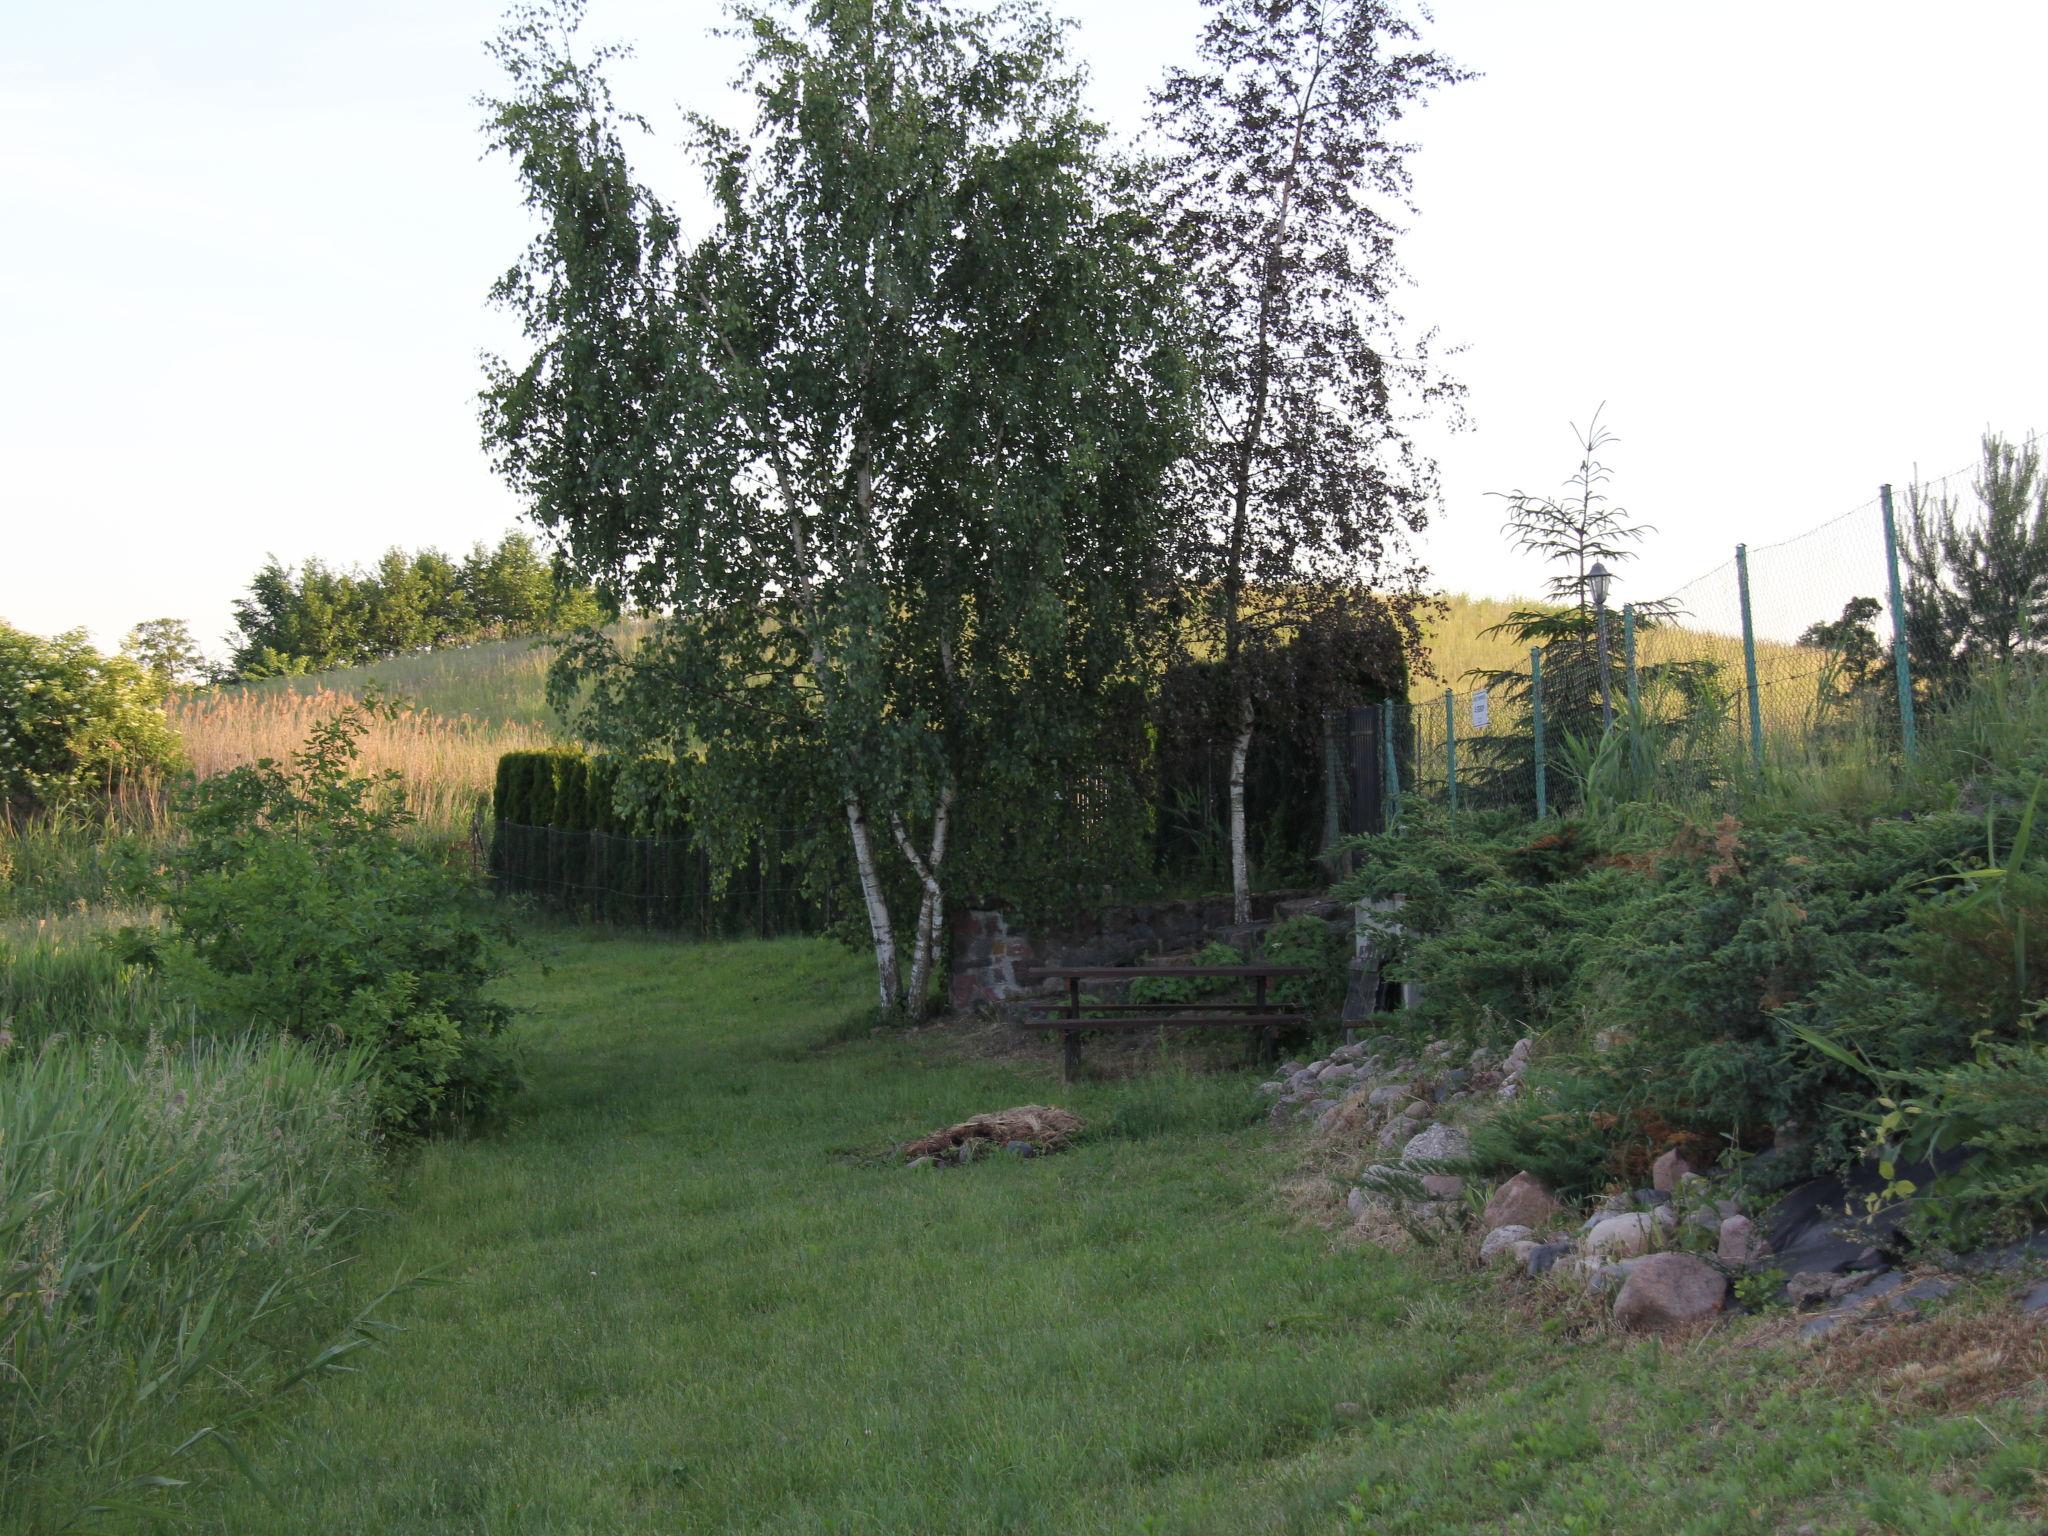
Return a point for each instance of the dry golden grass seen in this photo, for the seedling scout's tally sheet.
(446, 762)
(1458, 642)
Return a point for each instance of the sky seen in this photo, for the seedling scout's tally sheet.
(245, 249)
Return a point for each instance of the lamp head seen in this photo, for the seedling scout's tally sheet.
(1599, 581)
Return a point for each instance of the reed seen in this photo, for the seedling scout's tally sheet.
(170, 1221)
(445, 761)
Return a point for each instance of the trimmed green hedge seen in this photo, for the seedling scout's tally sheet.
(559, 836)
(561, 788)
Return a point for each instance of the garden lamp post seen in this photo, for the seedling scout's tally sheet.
(1599, 580)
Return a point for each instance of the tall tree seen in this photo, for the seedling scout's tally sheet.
(1286, 183)
(165, 648)
(883, 449)
(1977, 581)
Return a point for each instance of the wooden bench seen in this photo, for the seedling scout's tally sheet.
(1072, 1016)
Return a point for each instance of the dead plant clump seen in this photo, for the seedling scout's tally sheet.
(1948, 1363)
(1044, 1127)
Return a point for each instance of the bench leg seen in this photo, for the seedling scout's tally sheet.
(1269, 1046)
(1070, 1054)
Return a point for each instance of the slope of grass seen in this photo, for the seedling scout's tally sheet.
(688, 1297)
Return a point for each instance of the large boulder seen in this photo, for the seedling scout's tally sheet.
(1621, 1237)
(1740, 1245)
(1438, 1144)
(1523, 1201)
(1667, 1291)
(1668, 1170)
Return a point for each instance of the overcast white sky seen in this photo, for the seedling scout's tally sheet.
(244, 249)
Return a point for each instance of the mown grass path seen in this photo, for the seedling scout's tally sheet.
(680, 1305)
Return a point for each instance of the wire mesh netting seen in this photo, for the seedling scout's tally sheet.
(1785, 652)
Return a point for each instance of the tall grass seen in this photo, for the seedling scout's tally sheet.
(445, 761)
(69, 859)
(169, 1227)
(59, 977)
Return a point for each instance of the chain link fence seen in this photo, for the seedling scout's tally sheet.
(1785, 653)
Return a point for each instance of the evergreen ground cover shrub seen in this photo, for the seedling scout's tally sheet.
(169, 1222)
(1721, 974)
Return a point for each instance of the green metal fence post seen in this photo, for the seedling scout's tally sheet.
(1628, 654)
(1902, 665)
(1451, 751)
(1756, 722)
(1391, 788)
(1536, 720)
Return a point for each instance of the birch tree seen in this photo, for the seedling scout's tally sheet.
(1285, 185)
(883, 446)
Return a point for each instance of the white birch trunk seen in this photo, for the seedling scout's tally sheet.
(888, 979)
(1240, 862)
(931, 910)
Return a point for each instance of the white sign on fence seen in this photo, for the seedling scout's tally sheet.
(1479, 710)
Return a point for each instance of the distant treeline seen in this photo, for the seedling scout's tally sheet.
(316, 617)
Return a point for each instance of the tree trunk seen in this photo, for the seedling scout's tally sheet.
(1240, 861)
(931, 910)
(889, 981)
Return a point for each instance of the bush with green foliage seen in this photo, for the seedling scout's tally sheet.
(1326, 950)
(295, 904)
(75, 724)
(1188, 989)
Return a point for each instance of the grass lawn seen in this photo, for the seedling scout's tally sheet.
(684, 1299)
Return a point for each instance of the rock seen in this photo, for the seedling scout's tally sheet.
(1666, 1216)
(1386, 1093)
(1395, 1132)
(1518, 1053)
(1668, 1170)
(1437, 1143)
(2010, 1256)
(1358, 1202)
(1739, 1244)
(1543, 1257)
(1618, 1237)
(1925, 1294)
(1021, 1148)
(1811, 1285)
(2036, 1300)
(1444, 1186)
(1500, 1240)
(1289, 1068)
(922, 1162)
(1523, 1200)
(1272, 1087)
(1601, 1278)
(1820, 1327)
(1300, 1080)
(1669, 1290)
(1419, 1110)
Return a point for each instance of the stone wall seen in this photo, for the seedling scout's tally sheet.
(991, 953)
